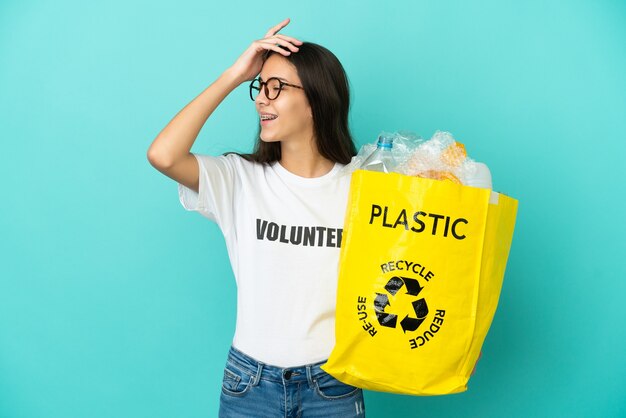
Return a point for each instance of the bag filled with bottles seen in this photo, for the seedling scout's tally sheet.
(421, 267)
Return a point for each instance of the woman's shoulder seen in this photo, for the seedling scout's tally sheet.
(231, 158)
(230, 163)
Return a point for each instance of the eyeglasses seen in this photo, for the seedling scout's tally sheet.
(273, 86)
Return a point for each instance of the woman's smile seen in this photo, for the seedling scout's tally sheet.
(266, 121)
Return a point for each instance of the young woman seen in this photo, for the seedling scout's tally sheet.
(281, 210)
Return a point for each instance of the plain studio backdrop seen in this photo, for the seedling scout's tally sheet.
(116, 302)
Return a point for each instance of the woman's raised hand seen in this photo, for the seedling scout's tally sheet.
(249, 64)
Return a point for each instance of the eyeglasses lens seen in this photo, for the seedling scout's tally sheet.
(273, 88)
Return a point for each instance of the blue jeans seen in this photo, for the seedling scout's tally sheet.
(251, 388)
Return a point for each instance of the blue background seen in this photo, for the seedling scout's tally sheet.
(116, 302)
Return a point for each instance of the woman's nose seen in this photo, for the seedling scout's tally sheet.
(261, 97)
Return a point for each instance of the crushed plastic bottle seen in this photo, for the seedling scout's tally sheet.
(382, 158)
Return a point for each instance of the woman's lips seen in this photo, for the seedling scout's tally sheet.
(266, 121)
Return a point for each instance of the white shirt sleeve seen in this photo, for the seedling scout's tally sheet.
(480, 176)
(215, 196)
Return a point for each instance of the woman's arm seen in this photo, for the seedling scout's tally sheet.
(174, 142)
(170, 151)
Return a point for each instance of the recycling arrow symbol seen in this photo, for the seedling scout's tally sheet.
(420, 307)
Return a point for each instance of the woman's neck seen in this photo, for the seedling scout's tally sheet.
(305, 162)
(303, 159)
(307, 168)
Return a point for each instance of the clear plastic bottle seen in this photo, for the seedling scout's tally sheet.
(382, 158)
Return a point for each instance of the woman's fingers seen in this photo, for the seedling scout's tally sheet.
(290, 39)
(282, 42)
(272, 39)
(250, 62)
(270, 44)
(276, 28)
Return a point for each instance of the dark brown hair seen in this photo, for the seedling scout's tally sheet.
(326, 88)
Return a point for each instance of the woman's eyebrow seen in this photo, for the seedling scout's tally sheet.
(280, 78)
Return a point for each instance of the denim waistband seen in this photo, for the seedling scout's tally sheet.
(274, 373)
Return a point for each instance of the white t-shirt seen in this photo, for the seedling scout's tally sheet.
(283, 234)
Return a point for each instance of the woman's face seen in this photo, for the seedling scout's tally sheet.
(295, 120)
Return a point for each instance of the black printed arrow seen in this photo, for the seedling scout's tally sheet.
(395, 283)
(384, 319)
(421, 310)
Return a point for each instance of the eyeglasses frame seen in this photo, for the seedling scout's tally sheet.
(263, 85)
